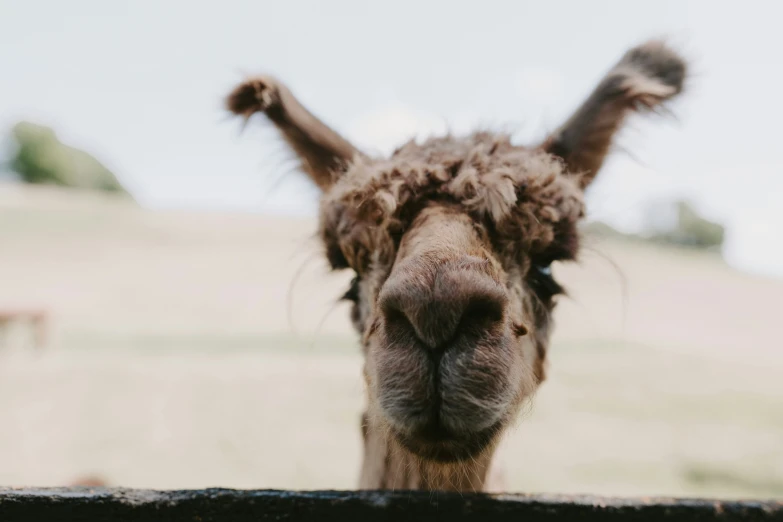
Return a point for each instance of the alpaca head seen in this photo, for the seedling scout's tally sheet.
(451, 242)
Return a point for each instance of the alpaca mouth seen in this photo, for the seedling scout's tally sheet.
(435, 442)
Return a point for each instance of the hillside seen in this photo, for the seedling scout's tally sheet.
(664, 370)
(105, 266)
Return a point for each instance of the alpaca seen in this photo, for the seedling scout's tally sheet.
(451, 242)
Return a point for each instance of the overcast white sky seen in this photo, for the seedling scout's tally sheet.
(140, 84)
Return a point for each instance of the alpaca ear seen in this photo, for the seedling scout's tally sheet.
(323, 153)
(644, 78)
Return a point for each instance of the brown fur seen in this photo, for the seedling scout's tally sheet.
(451, 241)
(322, 151)
(645, 77)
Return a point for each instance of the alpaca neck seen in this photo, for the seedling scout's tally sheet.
(387, 465)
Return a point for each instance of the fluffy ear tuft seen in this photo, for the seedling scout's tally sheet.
(644, 79)
(651, 74)
(251, 96)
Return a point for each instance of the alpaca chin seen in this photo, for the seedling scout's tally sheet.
(440, 446)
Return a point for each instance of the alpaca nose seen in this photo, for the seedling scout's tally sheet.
(440, 301)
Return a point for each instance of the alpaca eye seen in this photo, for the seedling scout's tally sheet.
(543, 283)
(545, 270)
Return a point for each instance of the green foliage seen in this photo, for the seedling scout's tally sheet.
(688, 230)
(693, 230)
(40, 157)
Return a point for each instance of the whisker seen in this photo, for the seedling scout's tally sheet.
(289, 293)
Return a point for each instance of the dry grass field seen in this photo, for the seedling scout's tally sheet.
(183, 355)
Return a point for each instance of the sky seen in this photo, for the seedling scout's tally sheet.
(139, 84)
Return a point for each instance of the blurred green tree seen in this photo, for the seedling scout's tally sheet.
(681, 225)
(692, 230)
(40, 157)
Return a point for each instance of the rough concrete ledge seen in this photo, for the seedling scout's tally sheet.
(121, 505)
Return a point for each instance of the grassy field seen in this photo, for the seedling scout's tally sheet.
(183, 356)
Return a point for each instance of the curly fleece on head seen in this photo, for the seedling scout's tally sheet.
(527, 194)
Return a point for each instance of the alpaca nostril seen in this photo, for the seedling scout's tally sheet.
(481, 313)
(396, 320)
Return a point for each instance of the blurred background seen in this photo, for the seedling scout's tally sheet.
(166, 320)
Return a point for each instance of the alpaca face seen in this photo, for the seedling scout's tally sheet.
(451, 242)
